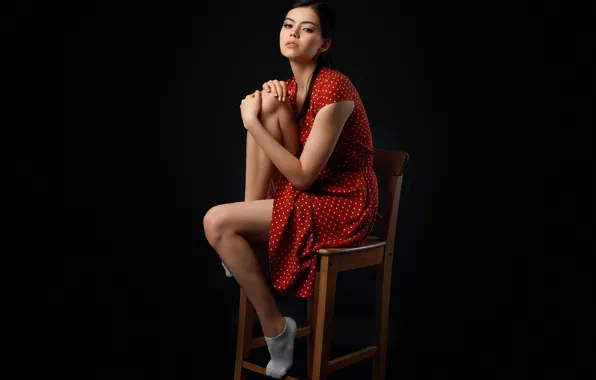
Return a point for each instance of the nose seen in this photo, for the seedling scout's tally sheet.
(293, 34)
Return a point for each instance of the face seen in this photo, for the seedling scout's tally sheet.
(300, 37)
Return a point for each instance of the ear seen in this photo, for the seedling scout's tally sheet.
(325, 45)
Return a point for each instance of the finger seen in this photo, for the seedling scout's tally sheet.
(271, 84)
(267, 87)
(279, 89)
(285, 90)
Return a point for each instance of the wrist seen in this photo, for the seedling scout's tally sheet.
(252, 122)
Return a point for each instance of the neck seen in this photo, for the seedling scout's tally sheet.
(302, 73)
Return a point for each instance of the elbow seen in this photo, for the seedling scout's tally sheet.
(299, 186)
(302, 180)
(303, 184)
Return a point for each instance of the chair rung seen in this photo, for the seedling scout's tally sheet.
(349, 359)
(363, 246)
(258, 369)
(260, 341)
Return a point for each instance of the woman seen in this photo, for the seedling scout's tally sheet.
(310, 138)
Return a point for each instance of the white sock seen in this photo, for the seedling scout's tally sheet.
(281, 349)
(228, 273)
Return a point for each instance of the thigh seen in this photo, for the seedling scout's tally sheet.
(251, 219)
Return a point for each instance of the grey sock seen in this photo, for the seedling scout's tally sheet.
(281, 349)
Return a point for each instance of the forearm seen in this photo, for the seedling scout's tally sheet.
(288, 164)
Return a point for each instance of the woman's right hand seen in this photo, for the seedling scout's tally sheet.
(277, 88)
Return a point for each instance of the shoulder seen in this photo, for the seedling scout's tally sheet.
(333, 86)
(333, 82)
(332, 77)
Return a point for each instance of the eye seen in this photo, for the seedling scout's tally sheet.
(309, 30)
(286, 25)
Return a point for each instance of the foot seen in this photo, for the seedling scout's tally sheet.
(281, 349)
(228, 273)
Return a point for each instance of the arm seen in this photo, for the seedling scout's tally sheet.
(322, 139)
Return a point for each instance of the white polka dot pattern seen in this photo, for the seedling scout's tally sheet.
(339, 209)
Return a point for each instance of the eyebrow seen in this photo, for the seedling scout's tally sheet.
(304, 22)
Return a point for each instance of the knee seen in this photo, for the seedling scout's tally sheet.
(269, 104)
(276, 116)
(214, 223)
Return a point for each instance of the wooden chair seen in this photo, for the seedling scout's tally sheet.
(377, 251)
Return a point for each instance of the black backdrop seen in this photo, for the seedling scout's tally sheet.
(127, 131)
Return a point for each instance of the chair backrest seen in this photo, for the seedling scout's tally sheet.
(389, 168)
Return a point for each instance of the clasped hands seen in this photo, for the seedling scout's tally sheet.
(250, 106)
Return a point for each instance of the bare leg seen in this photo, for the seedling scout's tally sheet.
(230, 243)
(254, 187)
(261, 173)
(240, 258)
(257, 180)
(227, 227)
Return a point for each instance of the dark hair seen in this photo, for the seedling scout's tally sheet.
(327, 19)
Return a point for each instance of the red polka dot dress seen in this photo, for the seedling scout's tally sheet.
(340, 207)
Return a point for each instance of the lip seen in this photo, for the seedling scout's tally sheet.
(291, 44)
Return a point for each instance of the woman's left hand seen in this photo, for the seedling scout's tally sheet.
(250, 107)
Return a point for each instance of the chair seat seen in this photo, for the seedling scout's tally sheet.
(370, 243)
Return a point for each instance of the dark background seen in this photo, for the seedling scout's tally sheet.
(126, 130)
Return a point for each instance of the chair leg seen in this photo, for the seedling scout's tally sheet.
(312, 321)
(323, 327)
(246, 314)
(382, 316)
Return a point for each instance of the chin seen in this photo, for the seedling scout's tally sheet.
(290, 54)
